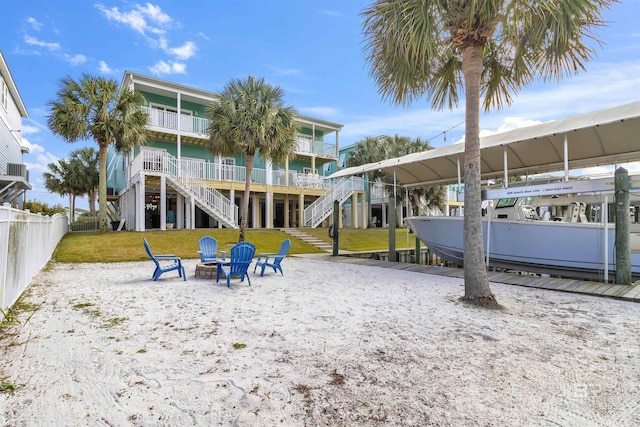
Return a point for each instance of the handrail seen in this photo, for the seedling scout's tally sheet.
(193, 174)
(212, 199)
(315, 213)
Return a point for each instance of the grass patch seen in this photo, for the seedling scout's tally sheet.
(84, 305)
(10, 316)
(7, 387)
(239, 346)
(114, 321)
(369, 239)
(127, 246)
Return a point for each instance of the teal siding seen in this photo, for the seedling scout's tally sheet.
(196, 152)
(343, 156)
(319, 135)
(198, 110)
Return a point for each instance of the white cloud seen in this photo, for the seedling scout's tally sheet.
(29, 130)
(509, 123)
(34, 23)
(185, 51)
(75, 59)
(133, 19)
(150, 21)
(162, 67)
(320, 111)
(203, 35)
(143, 19)
(331, 13)
(286, 71)
(35, 42)
(605, 85)
(155, 13)
(38, 158)
(105, 69)
(424, 123)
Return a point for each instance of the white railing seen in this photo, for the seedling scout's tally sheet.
(170, 120)
(308, 180)
(378, 192)
(198, 125)
(320, 209)
(190, 175)
(26, 243)
(224, 207)
(309, 147)
(163, 162)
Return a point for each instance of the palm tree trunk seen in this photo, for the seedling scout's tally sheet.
(247, 193)
(476, 284)
(72, 208)
(92, 202)
(102, 192)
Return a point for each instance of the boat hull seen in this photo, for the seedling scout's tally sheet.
(559, 248)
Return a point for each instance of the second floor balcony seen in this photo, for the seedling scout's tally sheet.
(163, 120)
(161, 162)
(171, 122)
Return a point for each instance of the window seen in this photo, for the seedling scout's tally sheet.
(342, 161)
(4, 94)
(506, 203)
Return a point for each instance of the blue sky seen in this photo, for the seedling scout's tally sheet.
(312, 49)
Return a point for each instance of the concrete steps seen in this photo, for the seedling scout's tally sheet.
(298, 233)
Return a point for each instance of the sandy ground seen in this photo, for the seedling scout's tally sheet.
(327, 344)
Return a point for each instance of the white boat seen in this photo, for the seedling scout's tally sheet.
(522, 235)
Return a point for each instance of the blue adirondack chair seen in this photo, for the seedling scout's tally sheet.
(175, 263)
(273, 260)
(238, 264)
(209, 249)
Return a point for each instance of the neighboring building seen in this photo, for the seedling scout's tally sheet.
(379, 192)
(174, 171)
(14, 177)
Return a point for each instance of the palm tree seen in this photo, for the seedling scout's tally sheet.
(369, 150)
(93, 107)
(250, 116)
(61, 180)
(434, 195)
(84, 163)
(493, 47)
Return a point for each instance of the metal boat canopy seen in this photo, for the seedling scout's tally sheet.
(600, 138)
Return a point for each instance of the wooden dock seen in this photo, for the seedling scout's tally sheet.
(625, 292)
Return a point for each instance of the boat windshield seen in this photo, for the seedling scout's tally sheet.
(506, 203)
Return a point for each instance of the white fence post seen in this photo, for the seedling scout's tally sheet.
(26, 243)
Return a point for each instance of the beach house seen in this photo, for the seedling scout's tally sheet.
(376, 198)
(174, 181)
(14, 177)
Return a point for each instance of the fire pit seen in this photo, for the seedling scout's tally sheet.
(206, 270)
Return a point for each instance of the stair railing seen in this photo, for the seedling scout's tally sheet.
(191, 180)
(320, 209)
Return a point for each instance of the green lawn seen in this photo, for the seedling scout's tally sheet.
(127, 245)
(369, 239)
